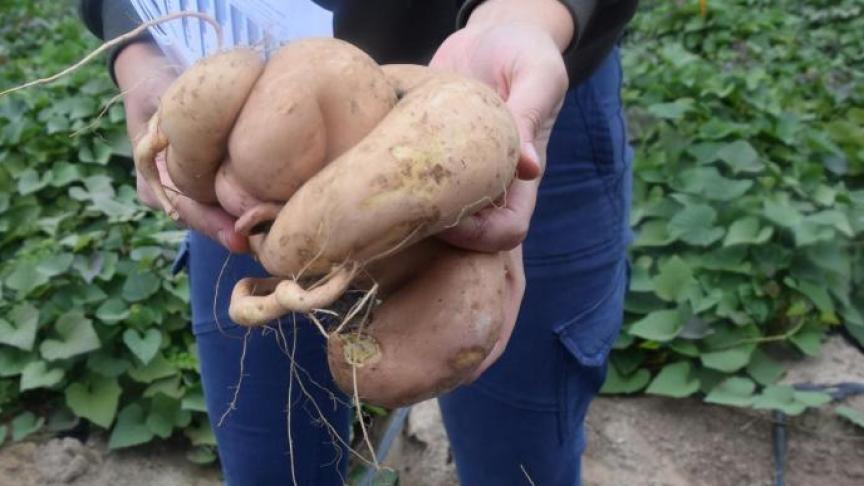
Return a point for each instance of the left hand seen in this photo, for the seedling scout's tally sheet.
(523, 63)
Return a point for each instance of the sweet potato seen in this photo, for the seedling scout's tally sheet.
(447, 149)
(316, 99)
(341, 171)
(435, 327)
(195, 138)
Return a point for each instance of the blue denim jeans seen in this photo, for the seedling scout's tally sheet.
(525, 415)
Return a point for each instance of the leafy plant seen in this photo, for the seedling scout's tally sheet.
(748, 125)
(91, 319)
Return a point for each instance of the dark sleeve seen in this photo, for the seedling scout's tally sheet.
(111, 19)
(599, 24)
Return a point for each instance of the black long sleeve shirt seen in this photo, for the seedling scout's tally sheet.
(409, 31)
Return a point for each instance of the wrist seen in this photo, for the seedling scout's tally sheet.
(550, 16)
(137, 59)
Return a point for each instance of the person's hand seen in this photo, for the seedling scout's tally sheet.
(522, 61)
(143, 74)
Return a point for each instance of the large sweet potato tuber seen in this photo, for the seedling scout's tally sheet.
(340, 171)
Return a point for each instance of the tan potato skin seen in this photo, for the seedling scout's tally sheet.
(432, 332)
(406, 77)
(198, 137)
(316, 99)
(447, 149)
(395, 176)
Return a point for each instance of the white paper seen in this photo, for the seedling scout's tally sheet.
(265, 23)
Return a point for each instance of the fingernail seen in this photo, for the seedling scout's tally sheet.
(531, 151)
(224, 238)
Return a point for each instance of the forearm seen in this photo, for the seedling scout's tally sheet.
(143, 74)
(551, 16)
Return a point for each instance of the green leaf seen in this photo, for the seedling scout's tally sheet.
(684, 348)
(24, 278)
(653, 233)
(76, 337)
(746, 231)
(55, 264)
(695, 225)
(145, 346)
(850, 414)
(674, 279)
(140, 286)
(815, 292)
(728, 360)
(740, 156)
(25, 424)
(64, 173)
(156, 369)
(200, 434)
(778, 397)
(763, 369)
(112, 311)
(617, 383)
(170, 387)
(96, 152)
(13, 361)
(671, 111)
(735, 391)
(20, 330)
(660, 326)
(3, 433)
(809, 340)
(194, 402)
(782, 214)
(709, 183)
(674, 380)
(106, 365)
(201, 455)
(96, 400)
(788, 400)
(62, 420)
(385, 477)
(131, 429)
(812, 398)
(37, 375)
(29, 182)
(165, 414)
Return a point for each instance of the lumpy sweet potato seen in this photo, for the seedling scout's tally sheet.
(341, 172)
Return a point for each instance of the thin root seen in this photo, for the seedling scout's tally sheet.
(118, 41)
(363, 422)
(146, 149)
(233, 404)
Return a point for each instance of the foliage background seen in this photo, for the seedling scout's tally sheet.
(749, 128)
(92, 323)
(749, 209)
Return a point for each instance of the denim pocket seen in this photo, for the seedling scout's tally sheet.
(589, 335)
(587, 339)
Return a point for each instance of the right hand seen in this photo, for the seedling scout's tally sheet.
(143, 73)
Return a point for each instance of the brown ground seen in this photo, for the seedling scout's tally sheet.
(632, 441)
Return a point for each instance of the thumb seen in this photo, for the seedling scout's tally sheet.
(536, 95)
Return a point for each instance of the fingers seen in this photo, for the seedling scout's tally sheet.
(212, 221)
(497, 228)
(537, 89)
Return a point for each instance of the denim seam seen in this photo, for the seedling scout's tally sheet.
(595, 151)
